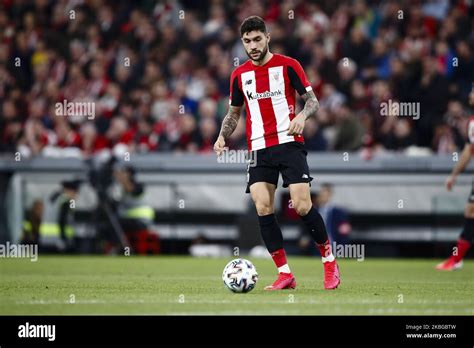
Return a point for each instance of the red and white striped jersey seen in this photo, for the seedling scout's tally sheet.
(269, 95)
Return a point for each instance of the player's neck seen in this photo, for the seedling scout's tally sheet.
(265, 59)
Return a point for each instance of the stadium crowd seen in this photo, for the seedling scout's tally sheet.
(157, 73)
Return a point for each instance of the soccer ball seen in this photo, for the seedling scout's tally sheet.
(240, 275)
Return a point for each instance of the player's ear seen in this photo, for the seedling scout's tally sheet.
(268, 37)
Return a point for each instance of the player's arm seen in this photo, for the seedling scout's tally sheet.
(300, 83)
(460, 166)
(228, 126)
(311, 106)
(230, 121)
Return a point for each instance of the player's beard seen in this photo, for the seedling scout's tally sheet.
(261, 56)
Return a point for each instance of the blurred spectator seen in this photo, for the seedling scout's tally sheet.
(451, 135)
(314, 138)
(32, 223)
(401, 136)
(133, 215)
(356, 46)
(432, 94)
(56, 230)
(349, 130)
(207, 134)
(335, 218)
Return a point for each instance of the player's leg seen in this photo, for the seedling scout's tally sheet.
(295, 171)
(263, 195)
(301, 201)
(467, 235)
(464, 242)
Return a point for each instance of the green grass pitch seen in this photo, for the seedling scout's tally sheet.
(166, 285)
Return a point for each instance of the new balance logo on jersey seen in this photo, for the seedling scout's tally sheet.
(267, 94)
(248, 82)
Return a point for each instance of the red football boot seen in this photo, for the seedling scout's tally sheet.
(284, 281)
(450, 264)
(331, 275)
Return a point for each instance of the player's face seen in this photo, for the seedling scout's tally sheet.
(256, 44)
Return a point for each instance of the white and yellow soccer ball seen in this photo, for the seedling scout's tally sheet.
(240, 275)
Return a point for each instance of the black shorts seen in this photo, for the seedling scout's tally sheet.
(289, 159)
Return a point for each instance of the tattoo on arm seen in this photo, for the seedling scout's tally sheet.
(230, 121)
(311, 105)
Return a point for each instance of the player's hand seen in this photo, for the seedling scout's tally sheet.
(449, 183)
(219, 145)
(297, 125)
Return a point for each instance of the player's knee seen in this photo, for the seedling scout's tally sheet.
(302, 207)
(263, 209)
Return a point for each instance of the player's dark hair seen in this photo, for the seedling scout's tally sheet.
(252, 23)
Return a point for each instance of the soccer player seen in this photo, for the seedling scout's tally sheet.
(266, 83)
(467, 235)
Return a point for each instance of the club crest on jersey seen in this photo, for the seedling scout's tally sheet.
(263, 95)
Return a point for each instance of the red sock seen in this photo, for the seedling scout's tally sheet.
(325, 248)
(279, 257)
(462, 248)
